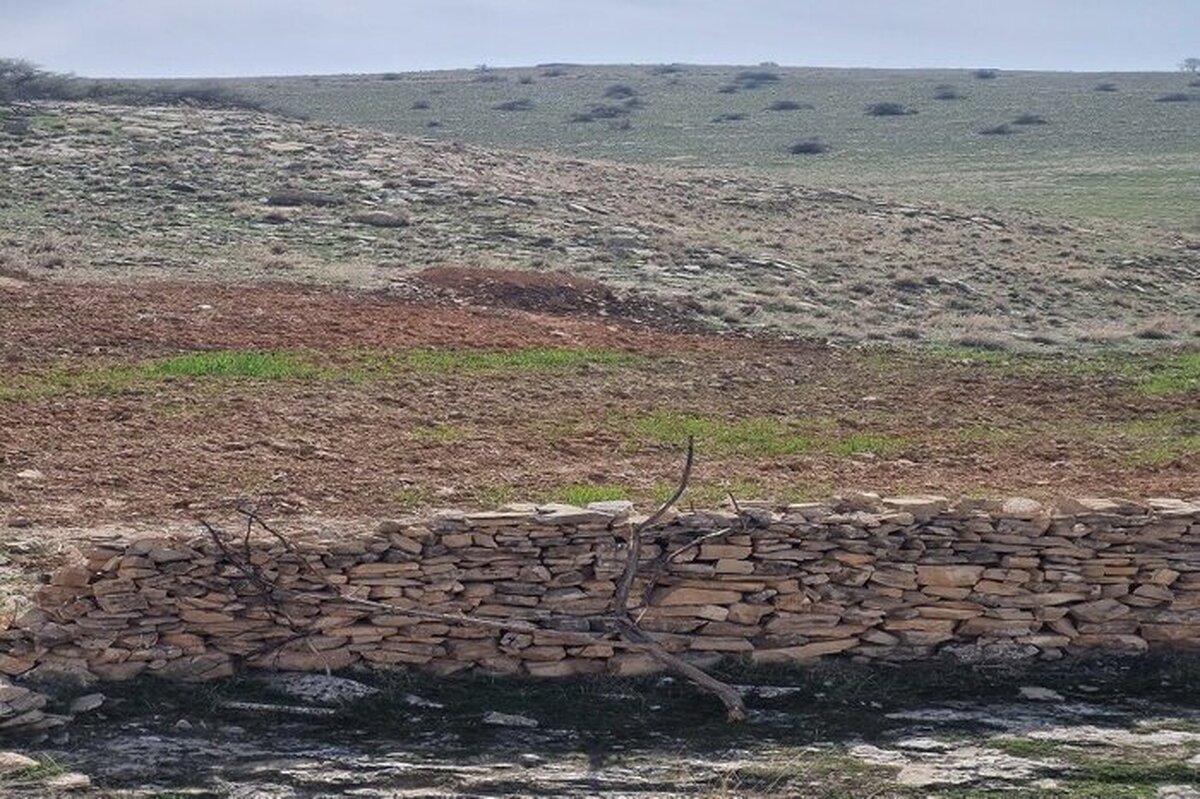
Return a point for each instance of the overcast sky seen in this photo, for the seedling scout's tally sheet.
(276, 37)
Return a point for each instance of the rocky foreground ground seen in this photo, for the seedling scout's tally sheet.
(1108, 730)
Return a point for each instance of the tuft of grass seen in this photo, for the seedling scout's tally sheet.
(875, 443)
(439, 433)
(748, 436)
(494, 496)
(527, 360)
(1025, 747)
(1164, 438)
(810, 772)
(582, 493)
(410, 497)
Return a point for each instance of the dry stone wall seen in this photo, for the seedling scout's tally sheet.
(892, 579)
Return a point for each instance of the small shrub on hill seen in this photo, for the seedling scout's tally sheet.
(290, 198)
(554, 72)
(788, 105)
(603, 111)
(1174, 97)
(985, 74)
(524, 104)
(391, 76)
(1194, 83)
(889, 110)
(728, 88)
(620, 91)
(946, 92)
(666, 69)
(420, 105)
(1030, 119)
(728, 118)
(755, 78)
(1105, 87)
(808, 147)
(525, 80)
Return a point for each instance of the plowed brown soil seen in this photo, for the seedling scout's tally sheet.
(173, 448)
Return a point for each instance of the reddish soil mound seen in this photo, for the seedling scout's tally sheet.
(550, 292)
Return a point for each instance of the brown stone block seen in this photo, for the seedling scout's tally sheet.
(802, 653)
(695, 596)
(951, 576)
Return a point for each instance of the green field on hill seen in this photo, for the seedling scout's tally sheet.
(1120, 145)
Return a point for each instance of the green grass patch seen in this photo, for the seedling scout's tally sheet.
(807, 773)
(1154, 772)
(1025, 747)
(255, 365)
(582, 493)
(494, 496)
(527, 360)
(873, 443)
(117, 378)
(748, 436)
(270, 365)
(1163, 438)
(411, 497)
(1176, 375)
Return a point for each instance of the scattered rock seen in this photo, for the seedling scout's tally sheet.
(321, 689)
(497, 719)
(1039, 694)
(14, 761)
(71, 781)
(87, 703)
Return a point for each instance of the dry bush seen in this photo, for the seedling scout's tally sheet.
(1030, 119)
(620, 91)
(809, 147)
(889, 110)
(945, 91)
(788, 105)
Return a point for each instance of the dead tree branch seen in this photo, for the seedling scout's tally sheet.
(619, 621)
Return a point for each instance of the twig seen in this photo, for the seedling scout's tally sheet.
(735, 708)
(634, 550)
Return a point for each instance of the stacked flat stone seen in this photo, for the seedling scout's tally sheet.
(890, 579)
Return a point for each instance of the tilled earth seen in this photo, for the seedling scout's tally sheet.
(342, 442)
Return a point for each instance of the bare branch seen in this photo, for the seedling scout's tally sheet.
(735, 708)
(634, 549)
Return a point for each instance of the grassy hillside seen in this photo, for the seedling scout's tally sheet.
(1100, 145)
(90, 191)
